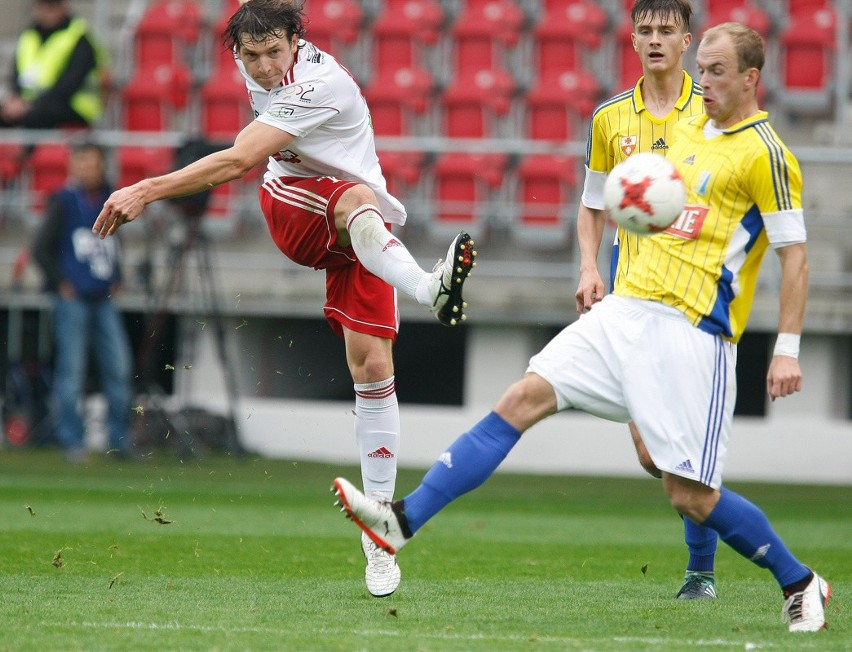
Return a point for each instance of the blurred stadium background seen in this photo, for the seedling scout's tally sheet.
(480, 109)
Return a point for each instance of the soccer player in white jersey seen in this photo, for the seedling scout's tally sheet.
(642, 118)
(327, 207)
(659, 348)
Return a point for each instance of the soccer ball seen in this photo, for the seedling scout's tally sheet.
(644, 193)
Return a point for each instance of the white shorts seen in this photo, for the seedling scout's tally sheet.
(629, 359)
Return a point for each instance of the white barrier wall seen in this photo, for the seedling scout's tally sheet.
(802, 440)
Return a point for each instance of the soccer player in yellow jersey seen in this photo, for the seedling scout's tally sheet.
(659, 349)
(642, 119)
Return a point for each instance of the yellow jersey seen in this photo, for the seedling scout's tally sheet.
(622, 125)
(706, 263)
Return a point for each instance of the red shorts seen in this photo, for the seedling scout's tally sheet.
(300, 215)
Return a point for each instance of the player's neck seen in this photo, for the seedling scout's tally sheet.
(746, 111)
(659, 93)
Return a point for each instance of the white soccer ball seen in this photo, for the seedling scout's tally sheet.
(644, 193)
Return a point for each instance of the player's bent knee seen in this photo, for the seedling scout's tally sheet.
(356, 196)
(648, 464)
(689, 497)
(527, 402)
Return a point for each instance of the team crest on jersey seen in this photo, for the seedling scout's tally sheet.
(628, 144)
(703, 183)
(287, 156)
(688, 225)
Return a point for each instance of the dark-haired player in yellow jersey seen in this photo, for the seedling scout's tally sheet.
(642, 119)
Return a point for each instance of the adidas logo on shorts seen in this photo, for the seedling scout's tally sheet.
(685, 466)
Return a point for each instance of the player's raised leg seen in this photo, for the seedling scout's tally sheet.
(387, 257)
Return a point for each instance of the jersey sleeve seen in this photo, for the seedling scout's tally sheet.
(593, 189)
(597, 157)
(300, 108)
(775, 179)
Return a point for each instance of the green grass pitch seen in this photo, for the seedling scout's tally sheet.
(250, 554)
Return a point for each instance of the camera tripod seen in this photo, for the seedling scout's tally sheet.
(191, 240)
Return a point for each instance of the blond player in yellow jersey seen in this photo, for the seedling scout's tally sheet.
(642, 119)
(659, 348)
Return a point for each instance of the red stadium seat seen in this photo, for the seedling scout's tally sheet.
(333, 24)
(482, 30)
(46, 171)
(396, 98)
(565, 30)
(153, 96)
(739, 12)
(225, 107)
(402, 171)
(222, 214)
(558, 104)
(164, 28)
(808, 45)
(401, 30)
(629, 67)
(712, 6)
(544, 200)
(464, 185)
(807, 6)
(11, 162)
(222, 57)
(473, 105)
(137, 163)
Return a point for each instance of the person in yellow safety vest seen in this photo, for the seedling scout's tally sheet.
(56, 73)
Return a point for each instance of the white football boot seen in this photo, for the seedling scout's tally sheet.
(805, 610)
(382, 574)
(376, 519)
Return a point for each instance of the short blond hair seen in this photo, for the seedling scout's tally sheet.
(748, 44)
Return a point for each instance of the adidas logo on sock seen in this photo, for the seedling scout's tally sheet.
(659, 144)
(685, 466)
(760, 553)
(382, 452)
(446, 459)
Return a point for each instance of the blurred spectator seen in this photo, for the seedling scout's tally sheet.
(83, 271)
(56, 73)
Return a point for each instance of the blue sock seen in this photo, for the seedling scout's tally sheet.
(701, 542)
(746, 529)
(466, 464)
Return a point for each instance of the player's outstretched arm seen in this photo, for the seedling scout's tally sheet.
(785, 374)
(253, 145)
(590, 228)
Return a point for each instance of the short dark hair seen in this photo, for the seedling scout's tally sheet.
(83, 145)
(681, 9)
(257, 20)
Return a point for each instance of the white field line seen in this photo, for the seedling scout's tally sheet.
(449, 636)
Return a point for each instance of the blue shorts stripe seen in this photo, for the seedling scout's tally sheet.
(715, 416)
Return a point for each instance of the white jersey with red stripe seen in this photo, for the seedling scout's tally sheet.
(321, 105)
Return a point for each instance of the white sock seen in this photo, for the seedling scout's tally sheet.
(384, 255)
(377, 432)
